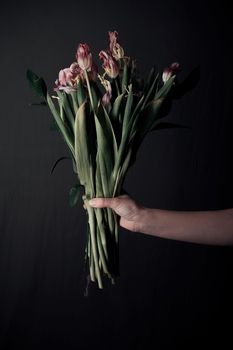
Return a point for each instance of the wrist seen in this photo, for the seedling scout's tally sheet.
(144, 222)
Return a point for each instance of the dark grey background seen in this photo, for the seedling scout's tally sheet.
(170, 294)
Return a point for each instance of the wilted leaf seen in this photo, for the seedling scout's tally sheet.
(74, 194)
(188, 84)
(37, 83)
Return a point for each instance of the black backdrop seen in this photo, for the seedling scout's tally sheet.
(170, 294)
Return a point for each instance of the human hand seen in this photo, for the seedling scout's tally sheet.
(124, 206)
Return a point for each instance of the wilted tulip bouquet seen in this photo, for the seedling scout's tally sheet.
(103, 118)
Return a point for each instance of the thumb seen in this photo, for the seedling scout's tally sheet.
(104, 202)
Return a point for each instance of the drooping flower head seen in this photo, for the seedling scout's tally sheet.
(114, 47)
(84, 57)
(67, 78)
(106, 99)
(74, 68)
(170, 71)
(110, 65)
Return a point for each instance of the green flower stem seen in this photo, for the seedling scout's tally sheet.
(116, 225)
(119, 160)
(113, 228)
(116, 239)
(101, 253)
(92, 268)
(89, 89)
(91, 219)
(89, 247)
(99, 218)
(110, 219)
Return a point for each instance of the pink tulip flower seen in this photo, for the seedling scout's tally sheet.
(110, 65)
(74, 68)
(106, 99)
(67, 78)
(115, 48)
(170, 71)
(84, 57)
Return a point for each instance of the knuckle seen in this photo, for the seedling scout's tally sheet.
(116, 202)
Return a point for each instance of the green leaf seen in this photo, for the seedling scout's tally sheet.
(145, 98)
(74, 194)
(57, 161)
(103, 173)
(188, 84)
(125, 77)
(149, 115)
(74, 101)
(107, 131)
(150, 79)
(128, 110)
(37, 83)
(126, 161)
(107, 148)
(148, 92)
(151, 91)
(151, 111)
(164, 90)
(161, 125)
(65, 104)
(126, 131)
(81, 95)
(117, 107)
(94, 96)
(68, 137)
(81, 144)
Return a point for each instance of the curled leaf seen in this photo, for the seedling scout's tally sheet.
(57, 161)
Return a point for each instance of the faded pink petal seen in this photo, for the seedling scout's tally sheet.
(75, 69)
(106, 100)
(170, 71)
(175, 67)
(64, 76)
(84, 57)
(113, 37)
(115, 48)
(110, 65)
(67, 78)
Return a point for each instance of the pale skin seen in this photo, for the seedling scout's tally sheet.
(213, 227)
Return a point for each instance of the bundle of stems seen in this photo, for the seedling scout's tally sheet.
(103, 120)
